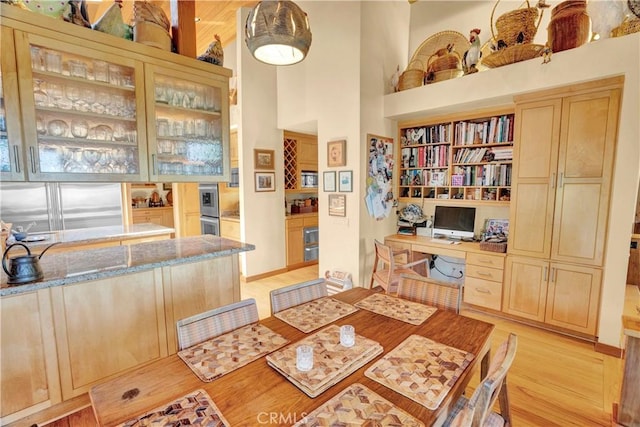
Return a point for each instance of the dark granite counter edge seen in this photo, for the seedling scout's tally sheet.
(118, 270)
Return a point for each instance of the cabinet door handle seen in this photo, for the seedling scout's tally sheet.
(553, 275)
(553, 180)
(153, 164)
(32, 159)
(560, 180)
(16, 158)
(546, 270)
(483, 290)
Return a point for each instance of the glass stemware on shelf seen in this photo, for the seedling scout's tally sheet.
(40, 96)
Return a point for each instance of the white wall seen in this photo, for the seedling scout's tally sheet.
(262, 213)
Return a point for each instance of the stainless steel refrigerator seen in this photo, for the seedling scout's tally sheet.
(60, 206)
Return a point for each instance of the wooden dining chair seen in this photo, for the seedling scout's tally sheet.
(444, 295)
(297, 294)
(212, 323)
(477, 410)
(389, 275)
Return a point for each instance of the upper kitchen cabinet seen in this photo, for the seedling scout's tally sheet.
(107, 109)
(190, 139)
(11, 150)
(81, 112)
(300, 162)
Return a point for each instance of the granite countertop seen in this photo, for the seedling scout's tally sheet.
(300, 215)
(78, 266)
(97, 234)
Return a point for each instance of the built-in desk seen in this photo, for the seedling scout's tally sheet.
(484, 269)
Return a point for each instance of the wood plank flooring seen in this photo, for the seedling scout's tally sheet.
(554, 380)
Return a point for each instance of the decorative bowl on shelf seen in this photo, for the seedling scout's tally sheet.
(512, 54)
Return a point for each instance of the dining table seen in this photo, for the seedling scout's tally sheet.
(257, 394)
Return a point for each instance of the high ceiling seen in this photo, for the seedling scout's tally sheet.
(215, 17)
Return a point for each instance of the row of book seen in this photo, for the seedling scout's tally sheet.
(425, 157)
(490, 131)
(435, 134)
(477, 155)
(494, 174)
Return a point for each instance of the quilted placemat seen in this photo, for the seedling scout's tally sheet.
(331, 361)
(397, 308)
(196, 408)
(421, 369)
(213, 358)
(315, 314)
(358, 406)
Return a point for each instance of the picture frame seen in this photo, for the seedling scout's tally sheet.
(345, 181)
(265, 181)
(337, 205)
(337, 153)
(263, 159)
(329, 181)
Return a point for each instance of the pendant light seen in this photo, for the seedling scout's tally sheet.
(277, 32)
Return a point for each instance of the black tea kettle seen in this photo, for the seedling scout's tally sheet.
(25, 268)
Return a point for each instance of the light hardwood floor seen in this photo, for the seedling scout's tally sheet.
(554, 380)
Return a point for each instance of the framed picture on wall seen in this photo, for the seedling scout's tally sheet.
(337, 205)
(337, 153)
(329, 181)
(265, 181)
(263, 159)
(345, 181)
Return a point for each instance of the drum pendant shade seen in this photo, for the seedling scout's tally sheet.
(277, 32)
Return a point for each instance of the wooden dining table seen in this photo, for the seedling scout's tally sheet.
(257, 394)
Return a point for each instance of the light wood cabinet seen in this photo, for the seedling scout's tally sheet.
(564, 159)
(105, 327)
(230, 229)
(161, 216)
(294, 239)
(107, 109)
(29, 361)
(233, 148)
(483, 281)
(300, 154)
(186, 199)
(557, 294)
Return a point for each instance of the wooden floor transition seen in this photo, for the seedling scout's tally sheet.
(554, 380)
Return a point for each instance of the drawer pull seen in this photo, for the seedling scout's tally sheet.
(486, 261)
(484, 274)
(483, 290)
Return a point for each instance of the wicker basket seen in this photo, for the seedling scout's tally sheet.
(628, 26)
(516, 27)
(494, 246)
(413, 76)
(513, 54)
(439, 76)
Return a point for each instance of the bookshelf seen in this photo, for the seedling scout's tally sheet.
(457, 158)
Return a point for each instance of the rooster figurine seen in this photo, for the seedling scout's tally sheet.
(214, 53)
(472, 56)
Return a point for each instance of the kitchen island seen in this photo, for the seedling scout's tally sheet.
(101, 312)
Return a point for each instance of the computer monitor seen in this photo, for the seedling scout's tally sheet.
(454, 222)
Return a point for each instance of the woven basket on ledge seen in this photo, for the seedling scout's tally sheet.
(413, 76)
(512, 24)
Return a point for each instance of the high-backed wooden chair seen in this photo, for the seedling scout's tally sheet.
(297, 294)
(477, 410)
(389, 275)
(444, 295)
(210, 324)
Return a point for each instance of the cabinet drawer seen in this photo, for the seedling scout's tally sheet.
(293, 223)
(484, 273)
(483, 293)
(310, 221)
(486, 260)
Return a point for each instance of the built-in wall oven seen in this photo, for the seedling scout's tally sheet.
(311, 243)
(209, 209)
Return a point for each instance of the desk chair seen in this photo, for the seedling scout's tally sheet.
(444, 295)
(210, 324)
(389, 275)
(297, 294)
(476, 411)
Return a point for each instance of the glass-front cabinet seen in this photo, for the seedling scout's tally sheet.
(83, 112)
(81, 105)
(189, 138)
(11, 151)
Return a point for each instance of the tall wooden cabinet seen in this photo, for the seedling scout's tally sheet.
(563, 162)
